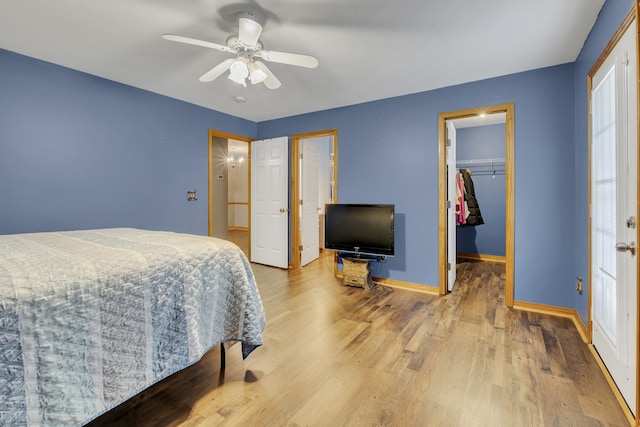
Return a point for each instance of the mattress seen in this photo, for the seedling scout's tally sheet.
(90, 318)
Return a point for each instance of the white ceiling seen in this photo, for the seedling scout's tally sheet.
(241, 147)
(367, 49)
(475, 121)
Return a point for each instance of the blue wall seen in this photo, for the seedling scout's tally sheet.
(484, 142)
(78, 151)
(611, 16)
(388, 153)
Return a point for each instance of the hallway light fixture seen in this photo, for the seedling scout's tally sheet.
(232, 161)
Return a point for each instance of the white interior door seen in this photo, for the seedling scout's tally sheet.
(451, 204)
(614, 211)
(269, 201)
(309, 195)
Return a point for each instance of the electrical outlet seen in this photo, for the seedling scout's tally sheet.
(192, 195)
(579, 287)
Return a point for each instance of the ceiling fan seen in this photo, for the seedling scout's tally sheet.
(248, 49)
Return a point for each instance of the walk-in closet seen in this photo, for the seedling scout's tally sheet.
(481, 168)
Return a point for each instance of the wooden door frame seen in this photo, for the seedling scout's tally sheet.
(442, 191)
(225, 135)
(633, 14)
(296, 238)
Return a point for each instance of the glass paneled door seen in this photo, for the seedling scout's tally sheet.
(614, 213)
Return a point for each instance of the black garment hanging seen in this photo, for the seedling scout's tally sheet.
(474, 217)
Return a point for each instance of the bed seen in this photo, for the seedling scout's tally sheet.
(90, 318)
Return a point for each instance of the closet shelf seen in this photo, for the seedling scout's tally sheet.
(484, 166)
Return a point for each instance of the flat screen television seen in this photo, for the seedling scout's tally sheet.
(360, 228)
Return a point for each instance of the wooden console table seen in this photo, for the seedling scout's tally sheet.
(357, 272)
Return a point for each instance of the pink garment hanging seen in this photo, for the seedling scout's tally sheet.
(461, 209)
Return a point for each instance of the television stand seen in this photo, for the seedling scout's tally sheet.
(357, 272)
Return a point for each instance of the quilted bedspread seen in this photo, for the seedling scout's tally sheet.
(90, 318)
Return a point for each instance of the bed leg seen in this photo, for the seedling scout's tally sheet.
(223, 357)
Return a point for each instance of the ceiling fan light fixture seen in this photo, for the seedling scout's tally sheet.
(256, 75)
(248, 50)
(238, 72)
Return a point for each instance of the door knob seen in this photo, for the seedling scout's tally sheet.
(623, 247)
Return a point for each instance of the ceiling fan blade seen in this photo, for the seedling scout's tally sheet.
(307, 61)
(196, 42)
(249, 32)
(271, 81)
(216, 71)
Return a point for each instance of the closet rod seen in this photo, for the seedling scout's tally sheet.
(484, 166)
(496, 161)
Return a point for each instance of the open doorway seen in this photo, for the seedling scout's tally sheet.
(229, 203)
(314, 172)
(447, 168)
(238, 193)
(481, 165)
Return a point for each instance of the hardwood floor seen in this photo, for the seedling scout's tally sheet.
(337, 355)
